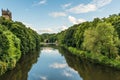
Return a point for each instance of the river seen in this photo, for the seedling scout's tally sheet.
(56, 63)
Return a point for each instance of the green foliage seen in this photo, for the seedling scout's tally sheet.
(60, 37)
(80, 32)
(9, 49)
(96, 58)
(67, 37)
(48, 38)
(29, 38)
(98, 40)
(3, 67)
(101, 39)
(15, 39)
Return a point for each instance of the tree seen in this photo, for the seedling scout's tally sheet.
(9, 49)
(67, 37)
(15, 39)
(79, 35)
(103, 40)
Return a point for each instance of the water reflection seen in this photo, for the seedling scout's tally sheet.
(89, 71)
(52, 66)
(22, 68)
(56, 63)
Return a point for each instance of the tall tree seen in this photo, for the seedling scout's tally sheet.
(102, 39)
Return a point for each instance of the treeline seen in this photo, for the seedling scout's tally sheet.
(15, 40)
(97, 40)
(48, 38)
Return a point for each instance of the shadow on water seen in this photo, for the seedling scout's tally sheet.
(20, 72)
(87, 70)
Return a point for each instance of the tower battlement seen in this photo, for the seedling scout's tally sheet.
(6, 14)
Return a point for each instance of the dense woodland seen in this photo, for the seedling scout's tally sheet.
(15, 40)
(97, 40)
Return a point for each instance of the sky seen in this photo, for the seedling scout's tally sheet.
(53, 16)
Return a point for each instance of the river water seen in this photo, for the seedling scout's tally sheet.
(55, 63)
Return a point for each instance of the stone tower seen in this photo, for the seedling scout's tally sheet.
(6, 14)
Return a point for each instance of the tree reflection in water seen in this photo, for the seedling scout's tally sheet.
(22, 68)
(89, 71)
(86, 70)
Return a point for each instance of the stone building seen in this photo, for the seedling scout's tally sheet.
(6, 14)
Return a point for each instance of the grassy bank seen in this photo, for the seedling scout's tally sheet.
(97, 59)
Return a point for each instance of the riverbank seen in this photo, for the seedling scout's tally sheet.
(96, 59)
(90, 71)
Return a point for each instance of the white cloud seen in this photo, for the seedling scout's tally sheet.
(66, 5)
(46, 30)
(62, 28)
(43, 78)
(58, 14)
(49, 50)
(58, 65)
(74, 20)
(82, 8)
(27, 24)
(55, 29)
(72, 70)
(101, 3)
(67, 74)
(92, 6)
(41, 2)
(30, 26)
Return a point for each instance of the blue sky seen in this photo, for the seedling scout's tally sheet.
(52, 16)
